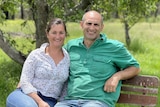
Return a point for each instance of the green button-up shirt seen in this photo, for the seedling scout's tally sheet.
(91, 67)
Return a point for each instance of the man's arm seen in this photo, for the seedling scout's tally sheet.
(111, 83)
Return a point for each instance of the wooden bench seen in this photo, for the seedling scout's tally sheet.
(141, 90)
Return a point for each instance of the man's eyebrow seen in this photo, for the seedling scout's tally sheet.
(92, 23)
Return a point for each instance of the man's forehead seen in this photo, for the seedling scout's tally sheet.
(92, 21)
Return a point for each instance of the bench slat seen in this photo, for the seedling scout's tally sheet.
(148, 81)
(142, 100)
(140, 90)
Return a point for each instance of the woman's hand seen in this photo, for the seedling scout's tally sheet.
(43, 104)
(38, 100)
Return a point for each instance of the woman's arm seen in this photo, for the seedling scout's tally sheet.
(38, 100)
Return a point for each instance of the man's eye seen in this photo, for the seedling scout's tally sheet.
(96, 25)
(89, 23)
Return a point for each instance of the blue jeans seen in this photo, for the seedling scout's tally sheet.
(18, 99)
(81, 103)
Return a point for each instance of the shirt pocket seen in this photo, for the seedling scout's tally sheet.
(75, 61)
(74, 57)
(103, 63)
(102, 59)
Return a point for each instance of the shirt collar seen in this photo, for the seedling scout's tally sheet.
(44, 45)
(102, 38)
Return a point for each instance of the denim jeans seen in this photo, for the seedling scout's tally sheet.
(81, 103)
(18, 99)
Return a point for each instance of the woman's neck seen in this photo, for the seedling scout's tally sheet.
(55, 53)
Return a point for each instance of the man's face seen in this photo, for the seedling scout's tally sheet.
(92, 26)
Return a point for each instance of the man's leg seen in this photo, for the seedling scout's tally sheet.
(94, 103)
(67, 103)
(81, 103)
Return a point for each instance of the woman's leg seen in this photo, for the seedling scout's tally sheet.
(18, 99)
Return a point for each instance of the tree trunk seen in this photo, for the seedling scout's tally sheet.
(127, 37)
(22, 10)
(40, 18)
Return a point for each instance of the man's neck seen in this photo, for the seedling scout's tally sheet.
(88, 43)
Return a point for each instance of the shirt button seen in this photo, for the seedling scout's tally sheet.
(85, 61)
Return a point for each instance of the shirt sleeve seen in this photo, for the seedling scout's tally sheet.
(123, 58)
(27, 74)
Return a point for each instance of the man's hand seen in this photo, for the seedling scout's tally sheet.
(111, 84)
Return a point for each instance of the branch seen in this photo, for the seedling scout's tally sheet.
(83, 5)
(17, 56)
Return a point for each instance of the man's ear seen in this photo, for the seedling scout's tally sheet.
(102, 27)
(81, 24)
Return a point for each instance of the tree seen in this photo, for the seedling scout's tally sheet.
(42, 11)
(7, 9)
(129, 11)
(133, 12)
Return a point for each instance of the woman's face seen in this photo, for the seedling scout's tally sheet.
(56, 35)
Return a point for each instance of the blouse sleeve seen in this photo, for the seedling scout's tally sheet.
(27, 74)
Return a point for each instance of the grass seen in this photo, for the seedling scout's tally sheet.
(9, 71)
(145, 38)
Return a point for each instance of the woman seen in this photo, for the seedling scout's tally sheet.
(44, 71)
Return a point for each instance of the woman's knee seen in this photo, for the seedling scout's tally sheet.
(18, 99)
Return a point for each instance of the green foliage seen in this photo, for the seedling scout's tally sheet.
(7, 6)
(128, 10)
(61, 7)
(132, 10)
(20, 34)
(9, 72)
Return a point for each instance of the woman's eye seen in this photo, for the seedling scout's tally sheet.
(53, 32)
(62, 32)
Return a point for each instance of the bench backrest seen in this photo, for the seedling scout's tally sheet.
(140, 90)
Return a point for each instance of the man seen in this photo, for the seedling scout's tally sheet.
(97, 66)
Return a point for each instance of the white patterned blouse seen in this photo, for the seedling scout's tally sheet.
(40, 73)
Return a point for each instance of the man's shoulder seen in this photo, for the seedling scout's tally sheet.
(114, 42)
(110, 41)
